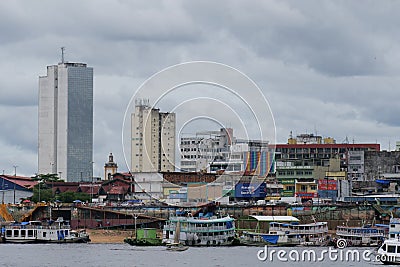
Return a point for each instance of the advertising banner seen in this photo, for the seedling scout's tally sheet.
(324, 184)
(248, 190)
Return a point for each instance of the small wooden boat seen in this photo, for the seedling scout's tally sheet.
(176, 245)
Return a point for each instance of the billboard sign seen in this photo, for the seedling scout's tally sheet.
(324, 184)
(249, 190)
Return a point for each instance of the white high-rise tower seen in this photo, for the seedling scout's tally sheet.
(66, 121)
(153, 139)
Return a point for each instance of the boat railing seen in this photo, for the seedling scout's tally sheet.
(197, 228)
(50, 227)
(359, 233)
(300, 231)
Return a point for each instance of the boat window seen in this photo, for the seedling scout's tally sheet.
(392, 226)
(384, 247)
(44, 234)
(30, 233)
(392, 236)
(16, 233)
(391, 249)
(8, 233)
(23, 233)
(398, 249)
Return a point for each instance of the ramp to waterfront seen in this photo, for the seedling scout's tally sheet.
(89, 217)
(5, 214)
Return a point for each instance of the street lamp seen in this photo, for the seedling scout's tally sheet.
(135, 216)
(2, 188)
(91, 186)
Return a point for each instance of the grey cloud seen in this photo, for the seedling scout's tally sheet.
(324, 65)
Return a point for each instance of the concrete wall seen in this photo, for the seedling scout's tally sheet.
(377, 163)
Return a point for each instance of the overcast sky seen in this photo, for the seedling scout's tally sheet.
(326, 67)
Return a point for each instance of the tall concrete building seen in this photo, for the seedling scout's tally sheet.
(153, 139)
(66, 121)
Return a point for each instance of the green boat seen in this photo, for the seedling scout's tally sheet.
(144, 237)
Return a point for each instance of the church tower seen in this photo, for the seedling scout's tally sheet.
(110, 168)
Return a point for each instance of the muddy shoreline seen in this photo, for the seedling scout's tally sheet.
(108, 236)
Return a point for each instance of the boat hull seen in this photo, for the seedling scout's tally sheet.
(143, 242)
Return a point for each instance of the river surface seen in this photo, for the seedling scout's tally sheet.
(87, 255)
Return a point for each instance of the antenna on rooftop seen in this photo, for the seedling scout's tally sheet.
(62, 54)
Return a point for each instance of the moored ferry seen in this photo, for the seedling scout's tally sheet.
(274, 238)
(200, 231)
(361, 236)
(36, 232)
(257, 232)
(310, 234)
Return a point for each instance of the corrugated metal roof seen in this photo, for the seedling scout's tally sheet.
(275, 218)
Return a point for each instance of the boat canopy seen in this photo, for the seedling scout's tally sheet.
(275, 218)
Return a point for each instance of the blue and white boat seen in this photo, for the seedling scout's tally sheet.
(286, 231)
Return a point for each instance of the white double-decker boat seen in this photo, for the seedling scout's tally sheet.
(287, 232)
(361, 236)
(58, 231)
(200, 231)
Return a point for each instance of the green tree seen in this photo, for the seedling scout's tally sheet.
(43, 190)
(45, 194)
(69, 197)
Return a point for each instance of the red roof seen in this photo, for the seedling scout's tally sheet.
(90, 188)
(118, 190)
(370, 146)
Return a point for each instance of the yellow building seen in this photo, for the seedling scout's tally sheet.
(306, 188)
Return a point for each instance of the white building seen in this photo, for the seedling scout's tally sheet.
(213, 151)
(148, 185)
(66, 121)
(355, 169)
(153, 139)
(200, 151)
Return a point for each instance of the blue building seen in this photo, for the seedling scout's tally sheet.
(15, 188)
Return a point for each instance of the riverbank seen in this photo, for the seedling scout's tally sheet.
(108, 236)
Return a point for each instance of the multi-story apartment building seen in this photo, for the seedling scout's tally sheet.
(153, 139)
(201, 150)
(65, 138)
(319, 153)
(355, 169)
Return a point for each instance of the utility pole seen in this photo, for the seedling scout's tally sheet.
(2, 188)
(15, 175)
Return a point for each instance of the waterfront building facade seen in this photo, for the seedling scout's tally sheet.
(65, 138)
(153, 139)
(310, 166)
